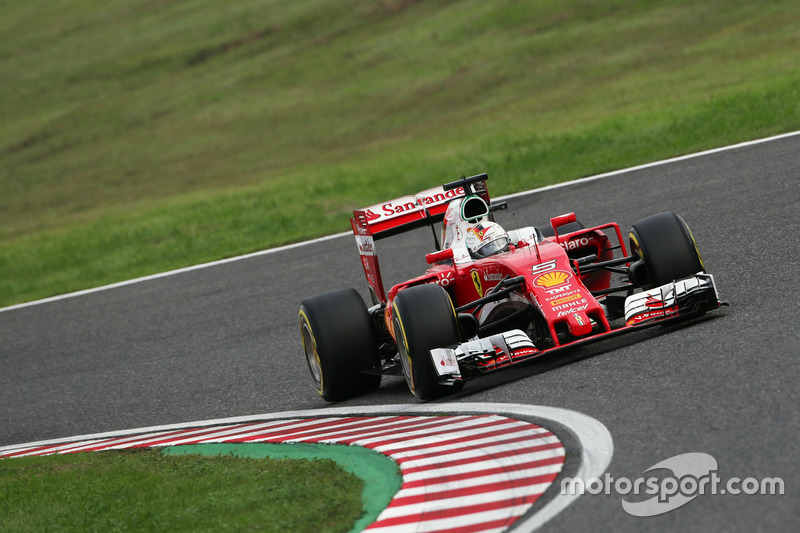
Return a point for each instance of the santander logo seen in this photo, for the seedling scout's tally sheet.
(406, 204)
(370, 216)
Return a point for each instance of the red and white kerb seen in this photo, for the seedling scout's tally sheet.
(460, 473)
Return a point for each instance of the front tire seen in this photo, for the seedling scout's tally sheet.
(424, 318)
(665, 245)
(339, 342)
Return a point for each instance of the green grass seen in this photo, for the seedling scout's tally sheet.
(150, 491)
(140, 136)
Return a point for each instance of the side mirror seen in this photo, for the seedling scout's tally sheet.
(441, 255)
(562, 220)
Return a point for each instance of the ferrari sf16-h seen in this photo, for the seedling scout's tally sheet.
(493, 298)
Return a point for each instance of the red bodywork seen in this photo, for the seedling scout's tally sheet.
(563, 296)
(553, 283)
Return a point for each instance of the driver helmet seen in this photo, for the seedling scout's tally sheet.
(486, 238)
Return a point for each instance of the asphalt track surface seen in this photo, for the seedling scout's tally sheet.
(223, 341)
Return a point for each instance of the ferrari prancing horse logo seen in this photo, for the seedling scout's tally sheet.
(476, 279)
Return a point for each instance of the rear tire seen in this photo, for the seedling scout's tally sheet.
(424, 318)
(666, 246)
(339, 342)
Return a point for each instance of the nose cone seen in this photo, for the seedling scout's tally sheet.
(579, 324)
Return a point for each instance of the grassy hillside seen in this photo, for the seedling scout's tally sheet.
(140, 135)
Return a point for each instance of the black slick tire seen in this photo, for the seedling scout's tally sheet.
(339, 343)
(667, 247)
(423, 319)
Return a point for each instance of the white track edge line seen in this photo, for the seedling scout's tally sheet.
(172, 272)
(346, 233)
(594, 439)
(671, 160)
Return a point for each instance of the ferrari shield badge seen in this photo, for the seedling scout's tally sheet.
(476, 280)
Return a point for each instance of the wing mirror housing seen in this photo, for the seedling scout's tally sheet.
(562, 220)
(441, 255)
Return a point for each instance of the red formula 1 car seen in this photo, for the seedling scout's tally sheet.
(492, 299)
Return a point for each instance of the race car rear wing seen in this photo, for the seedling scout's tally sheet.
(404, 214)
(418, 210)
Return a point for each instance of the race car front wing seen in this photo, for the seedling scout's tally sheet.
(680, 298)
(683, 298)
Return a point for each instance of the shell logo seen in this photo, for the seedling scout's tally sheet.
(552, 279)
